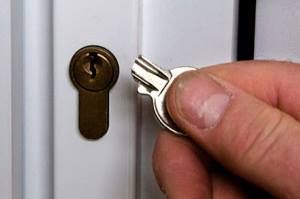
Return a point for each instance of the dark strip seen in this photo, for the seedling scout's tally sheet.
(246, 29)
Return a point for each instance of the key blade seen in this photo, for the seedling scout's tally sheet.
(149, 75)
(137, 75)
(151, 67)
(141, 89)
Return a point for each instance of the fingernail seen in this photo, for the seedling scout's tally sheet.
(200, 100)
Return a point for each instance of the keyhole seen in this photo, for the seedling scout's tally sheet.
(93, 60)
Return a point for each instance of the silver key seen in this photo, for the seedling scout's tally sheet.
(154, 81)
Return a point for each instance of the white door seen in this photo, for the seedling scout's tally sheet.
(43, 154)
(119, 164)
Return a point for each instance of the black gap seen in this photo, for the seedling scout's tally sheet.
(246, 30)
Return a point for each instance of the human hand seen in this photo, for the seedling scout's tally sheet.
(245, 116)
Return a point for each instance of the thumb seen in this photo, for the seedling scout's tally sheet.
(251, 138)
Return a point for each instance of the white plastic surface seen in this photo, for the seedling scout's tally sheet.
(5, 102)
(38, 125)
(104, 168)
(278, 30)
(180, 33)
(17, 95)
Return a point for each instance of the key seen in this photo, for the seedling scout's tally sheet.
(155, 82)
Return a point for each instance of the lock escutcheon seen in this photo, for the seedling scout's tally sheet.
(93, 70)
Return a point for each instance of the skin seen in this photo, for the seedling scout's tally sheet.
(254, 143)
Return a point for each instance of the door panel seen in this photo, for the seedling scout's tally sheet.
(104, 168)
(37, 102)
(177, 33)
(277, 30)
(5, 101)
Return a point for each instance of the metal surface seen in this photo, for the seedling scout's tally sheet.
(93, 70)
(154, 81)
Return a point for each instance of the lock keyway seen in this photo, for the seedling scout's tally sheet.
(93, 70)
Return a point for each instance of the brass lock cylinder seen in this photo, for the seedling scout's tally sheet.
(93, 70)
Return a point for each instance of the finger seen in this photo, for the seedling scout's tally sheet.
(220, 186)
(271, 81)
(245, 134)
(178, 170)
(225, 187)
